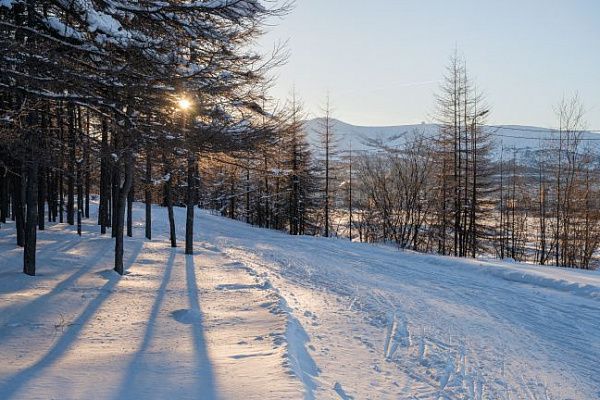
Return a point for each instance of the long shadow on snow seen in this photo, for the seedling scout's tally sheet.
(55, 233)
(203, 367)
(129, 385)
(13, 384)
(38, 303)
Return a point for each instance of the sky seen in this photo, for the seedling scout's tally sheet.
(381, 60)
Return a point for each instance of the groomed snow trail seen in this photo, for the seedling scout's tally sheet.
(257, 314)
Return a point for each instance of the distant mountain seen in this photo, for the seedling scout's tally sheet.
(525, 138)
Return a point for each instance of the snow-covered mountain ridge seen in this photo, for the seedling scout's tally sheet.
(507, 136)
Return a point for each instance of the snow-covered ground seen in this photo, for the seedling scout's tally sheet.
(259, 314)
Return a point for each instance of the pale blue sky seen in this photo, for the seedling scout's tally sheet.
(380, 59)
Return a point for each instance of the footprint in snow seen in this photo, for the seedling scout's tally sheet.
(210, 247)
(108, 274)
(187, 317)
(340, 391)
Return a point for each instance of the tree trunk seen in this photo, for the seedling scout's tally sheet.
(79, 198)
(148, 195)
(103, 219)
(191, 203)
(4, 194)
(86, 166)
(116, 181)
(169, 203)
(121, 201)
(32, 217)
(327, 182)
(130, 199)
(42, 194)
(71, 169)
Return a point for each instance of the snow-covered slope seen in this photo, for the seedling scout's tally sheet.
(257, 314)
(507, 136)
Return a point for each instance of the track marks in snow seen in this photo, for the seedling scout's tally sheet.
(422, 361)
(238, 286)
(293, 338)
(397, 335)
(300, 360)
(249, 329)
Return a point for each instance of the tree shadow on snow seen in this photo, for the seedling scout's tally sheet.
(130, 385)
(37, 305)
(19, 380)
(146, 375)
(53, 244)
(203, 367)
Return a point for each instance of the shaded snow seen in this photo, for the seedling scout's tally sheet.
(6, 3)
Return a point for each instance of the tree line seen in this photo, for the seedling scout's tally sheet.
(458, 191)
(119, 98)
(461, 192)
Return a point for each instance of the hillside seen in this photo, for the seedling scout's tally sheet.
(257, 314)
(525, 138)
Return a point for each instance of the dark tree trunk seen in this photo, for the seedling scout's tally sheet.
(148, 195)
(116, 180)
(103, 219)
(61, 196)
(4, 194)
(71, 169)
(169, 203)
(248, 219)
(42, 193)
(116, 184)
(61, 163)
(32, 217)
(121, 201)
(79, 214)
(79, 198)
(130, 199)
(86, 166)
(79, 177)
(50, 190)
(191, 203)
(232, 200)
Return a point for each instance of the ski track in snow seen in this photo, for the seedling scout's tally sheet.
(259, 314)
(444, 332)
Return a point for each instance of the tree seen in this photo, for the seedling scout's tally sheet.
(328, 153)
(464, 168)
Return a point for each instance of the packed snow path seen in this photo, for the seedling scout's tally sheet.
(259, 314)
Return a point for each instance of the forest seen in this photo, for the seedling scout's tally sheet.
(167, 103)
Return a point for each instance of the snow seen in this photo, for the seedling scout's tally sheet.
(258, 314)
(58, 26)
(527, 139)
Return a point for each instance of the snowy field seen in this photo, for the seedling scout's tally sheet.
(257, 314)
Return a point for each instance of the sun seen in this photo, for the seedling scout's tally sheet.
(184, 104)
